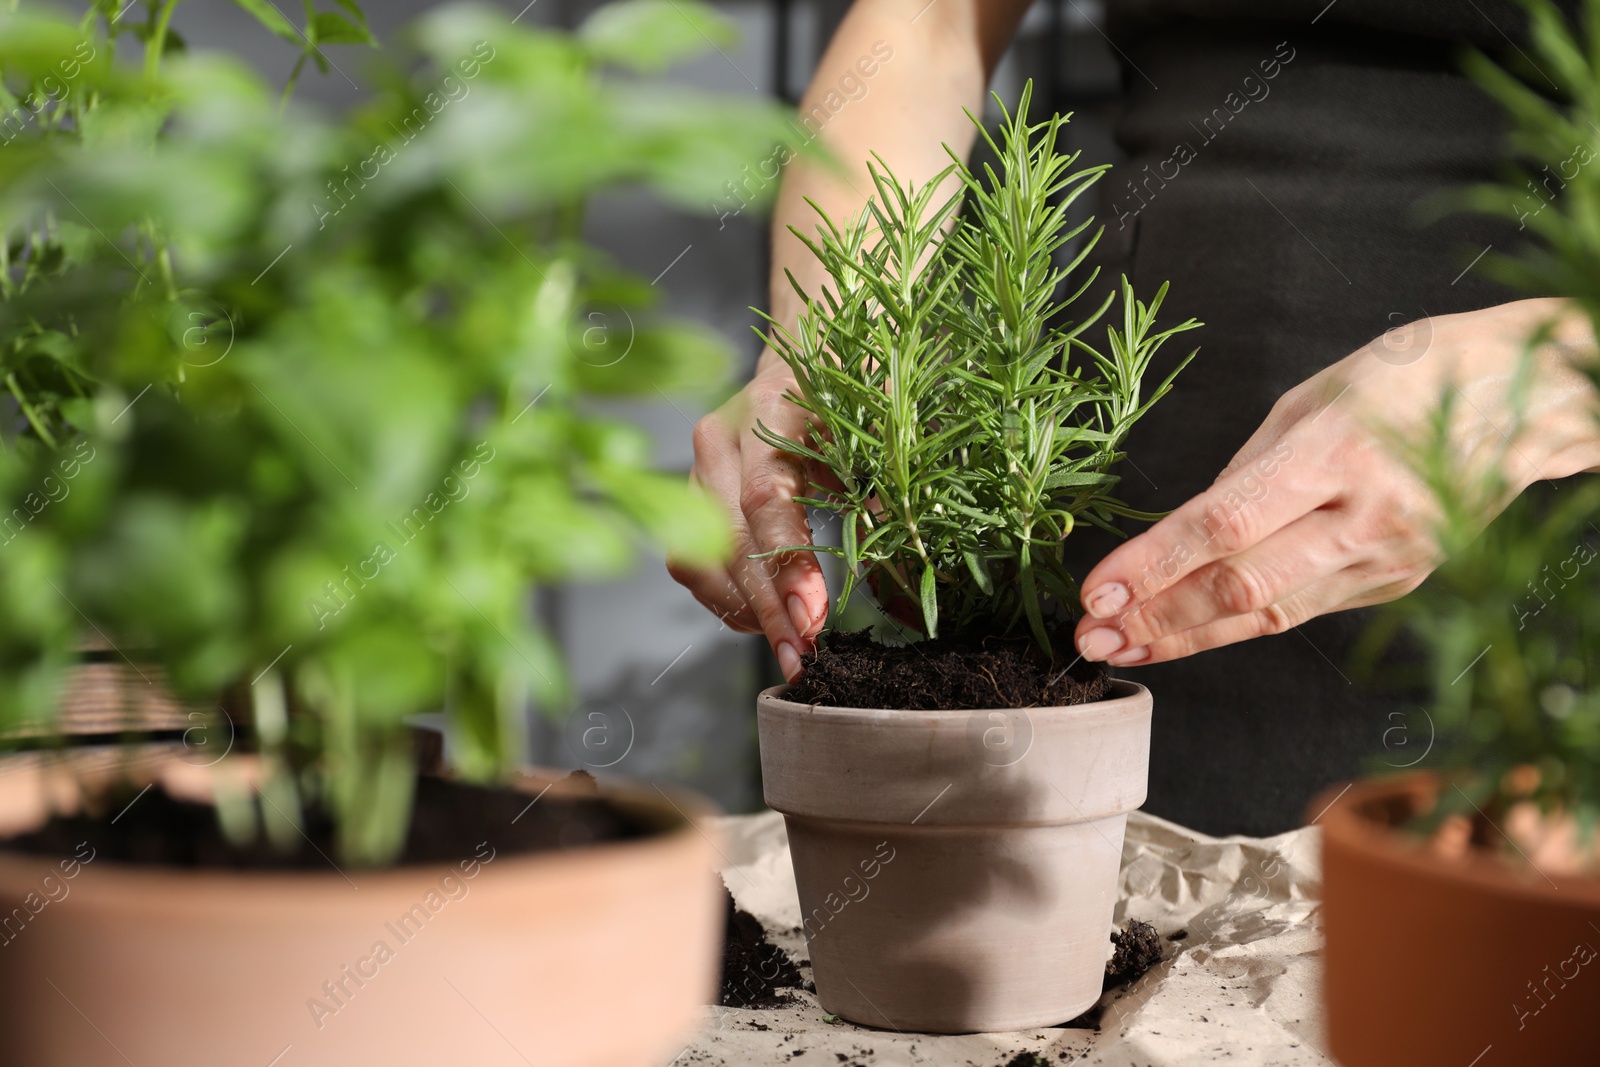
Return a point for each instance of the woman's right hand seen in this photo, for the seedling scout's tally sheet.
(783, 597)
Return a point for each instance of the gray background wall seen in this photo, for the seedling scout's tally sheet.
(664, 691)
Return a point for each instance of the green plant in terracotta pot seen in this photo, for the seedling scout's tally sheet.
(1462, 897)
(961, 431)
(303, 409)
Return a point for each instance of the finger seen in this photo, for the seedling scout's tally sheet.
(1308, 550)
(1239, 511)
(787, 590)
(718, 470)
(753, 604)
(713, 586)
(718, 594)
(1373, 579)
(1274, 619)
(1382, 594)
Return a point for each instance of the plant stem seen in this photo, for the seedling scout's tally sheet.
(157, 45)
(294, 76)
(164, 261)
(27, 410)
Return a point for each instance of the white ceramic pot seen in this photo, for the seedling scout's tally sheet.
(957, 870)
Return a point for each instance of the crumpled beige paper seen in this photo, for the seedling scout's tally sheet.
(1240, 986)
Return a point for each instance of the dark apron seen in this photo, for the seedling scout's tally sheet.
(1283, 209)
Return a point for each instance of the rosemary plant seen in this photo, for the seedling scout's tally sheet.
(1507, 626)
(1508, 622)
(964, 427)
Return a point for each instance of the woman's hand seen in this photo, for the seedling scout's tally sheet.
(1316, 513)
(785, 596)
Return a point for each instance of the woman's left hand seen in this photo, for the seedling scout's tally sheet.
(1316, 513)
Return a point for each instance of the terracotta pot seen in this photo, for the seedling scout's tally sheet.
(597, 956)
(1472, 962)
(957, 869)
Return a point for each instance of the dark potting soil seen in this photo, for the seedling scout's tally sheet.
(450, 821)
(1135, 950)
(753, 968)
(954, 673)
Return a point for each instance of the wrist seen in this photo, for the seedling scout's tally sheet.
(1558, 427)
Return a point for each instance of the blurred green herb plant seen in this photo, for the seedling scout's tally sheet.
(60, 88)
(1509, 627)
(317, 457)
(1510, 622)
(964, 428)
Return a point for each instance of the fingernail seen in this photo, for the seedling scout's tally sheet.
(1107, 600)
(1100, 642)
(788, 661)
(1130, 657)
(800, 615)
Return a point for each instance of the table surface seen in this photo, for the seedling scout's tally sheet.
(1240, 984)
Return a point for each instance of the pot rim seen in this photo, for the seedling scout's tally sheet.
(1123, 692)
(1347, 820)
(682, 812)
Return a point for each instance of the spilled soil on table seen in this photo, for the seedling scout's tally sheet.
(1133, 952)
(753, 968)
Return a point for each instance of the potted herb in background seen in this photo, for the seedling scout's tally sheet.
(56, 81)
(332, 376)
(1462, 900)
(977, 775)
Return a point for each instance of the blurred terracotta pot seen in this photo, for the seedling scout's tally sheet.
(598, 955)
(1470, 961)
(957, 870)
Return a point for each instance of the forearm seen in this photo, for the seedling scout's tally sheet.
(928, 63)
